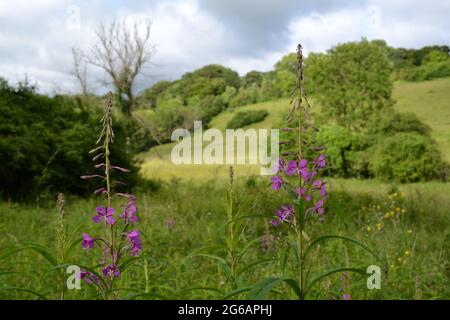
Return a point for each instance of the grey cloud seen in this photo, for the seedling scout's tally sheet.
(260, 26)
(34, 37)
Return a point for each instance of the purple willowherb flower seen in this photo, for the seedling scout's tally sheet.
(300, 168)
(281, 166)
(285, 214)
(104, 213)
(135, 242)
(347, 296)
(291, 168)
(114, 241)
(320, 162)
(89, 277)
(275, 222)
(311, 175)
(321, 186)
(277, 182)
(129, 211)
(303, 169)
(302, 193)
(88, 242)
(318, 207)
(111, 270)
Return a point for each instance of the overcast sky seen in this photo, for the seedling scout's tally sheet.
(36, 36)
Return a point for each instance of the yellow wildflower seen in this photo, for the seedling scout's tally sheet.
(379, 226)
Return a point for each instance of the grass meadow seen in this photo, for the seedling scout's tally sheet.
(184, 226)
(183, 223)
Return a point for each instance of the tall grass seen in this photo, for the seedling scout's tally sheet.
(166, 271)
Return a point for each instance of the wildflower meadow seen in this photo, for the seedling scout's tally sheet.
(324, 178)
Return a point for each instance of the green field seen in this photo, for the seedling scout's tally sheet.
(176, 265)
(429, 100)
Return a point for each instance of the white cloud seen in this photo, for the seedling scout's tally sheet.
(36, 36)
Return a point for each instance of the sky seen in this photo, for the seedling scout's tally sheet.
(36, 37)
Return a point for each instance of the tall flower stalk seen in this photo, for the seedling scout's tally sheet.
(61, 235)
(298, 174)
(117, 239)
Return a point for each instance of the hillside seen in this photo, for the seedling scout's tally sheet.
(429, 100)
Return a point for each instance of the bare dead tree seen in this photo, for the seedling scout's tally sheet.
(122, 51)
(80, 70)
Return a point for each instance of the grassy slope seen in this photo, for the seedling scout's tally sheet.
(428, 99)
(157, 164)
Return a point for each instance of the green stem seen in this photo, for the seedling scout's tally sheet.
(300, 156)
(231, 249)
(108, 190)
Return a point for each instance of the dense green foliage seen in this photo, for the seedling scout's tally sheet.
(429, 62)
(204, 92)
(351, 82)
(245, 118)
(343, 149)
(407, 157)
(44, 143)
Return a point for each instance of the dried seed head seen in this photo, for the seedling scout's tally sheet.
(60, 202)
(231, 174)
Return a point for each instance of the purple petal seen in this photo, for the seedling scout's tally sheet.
(97, 218)
(110, 220)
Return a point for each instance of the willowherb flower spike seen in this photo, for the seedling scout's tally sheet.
(116, 239)
(309, 189)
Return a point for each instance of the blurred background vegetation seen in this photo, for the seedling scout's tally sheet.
(373, 122)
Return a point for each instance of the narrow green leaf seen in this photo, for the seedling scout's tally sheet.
(236, 292)
(320, 239)
(24, 290)
(294, 285)
(262, 288)
(203, 288)
(210, 256)
(43, 251)
(11, 252)
(147, 295)
(248, 217)
(246, 247)
(253, 264)
(329, 273)
(128, 263)
(73, 245)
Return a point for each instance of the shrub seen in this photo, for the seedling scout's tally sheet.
(428, 71)
(210, 106)
(351, 82)
(407, 157)
(391, 122)
(44, 143)
(343, 150)
(245, 118)
(245, 96)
